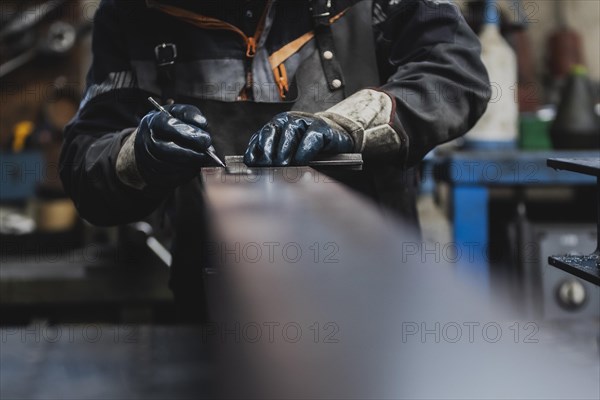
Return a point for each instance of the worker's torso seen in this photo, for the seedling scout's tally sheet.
(240, 82)
(249, 60)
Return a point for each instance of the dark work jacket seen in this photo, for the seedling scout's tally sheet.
(420, 52)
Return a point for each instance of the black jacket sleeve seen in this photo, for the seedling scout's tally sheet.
(111, 109)
(430, 61)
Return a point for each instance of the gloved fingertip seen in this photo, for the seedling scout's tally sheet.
(204, 141)
(200, 121)
(260, 159)
(301, 158)
(189, 114)
(282, 160)
(311, 144)
(160, 118)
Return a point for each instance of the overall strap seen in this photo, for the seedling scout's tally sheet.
(321, 12)
(165, 55)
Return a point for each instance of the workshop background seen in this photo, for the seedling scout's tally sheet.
(492, 191)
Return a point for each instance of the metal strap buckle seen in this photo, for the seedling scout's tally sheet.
(321, 12)
(165, 53)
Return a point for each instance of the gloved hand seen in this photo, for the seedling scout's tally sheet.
(166, 152)
(292, 138)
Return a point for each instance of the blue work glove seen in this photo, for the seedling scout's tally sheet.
(171, 151)
(295, 139)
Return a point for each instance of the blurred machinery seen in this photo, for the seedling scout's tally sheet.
(553, 293)
(46, 30)
(506, 203)
(54, 266)
(498, 126)
(39, 43)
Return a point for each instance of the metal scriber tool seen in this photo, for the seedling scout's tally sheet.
(210, 151)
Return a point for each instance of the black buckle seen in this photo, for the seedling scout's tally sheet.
(320, 11)
(321, 15)
(165, 53)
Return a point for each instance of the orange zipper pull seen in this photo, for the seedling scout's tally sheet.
(282, 81)
(251, 47)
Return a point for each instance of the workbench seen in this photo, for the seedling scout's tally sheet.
(471, 176)
(91, 282)
(103, 361)
(586, 267)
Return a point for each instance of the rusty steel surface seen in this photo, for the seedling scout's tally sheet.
(318, 295)
(322, 295)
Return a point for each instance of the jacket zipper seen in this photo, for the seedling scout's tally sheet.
(251, 41)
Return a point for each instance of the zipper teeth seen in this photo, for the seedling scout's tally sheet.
(251, 50)
(250, 40)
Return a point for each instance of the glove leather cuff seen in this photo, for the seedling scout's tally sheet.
(367, 116)
(126, 166)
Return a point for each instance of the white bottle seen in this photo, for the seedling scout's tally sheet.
(498, 127)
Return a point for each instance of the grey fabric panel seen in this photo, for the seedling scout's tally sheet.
(264, 87)
(220, 79)
(203, 79)
(313, 91)
(351, 32)
(268, 24)
(146, 75)
(293, 63)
